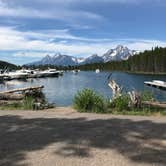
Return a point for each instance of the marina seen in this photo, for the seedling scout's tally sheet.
(25, 74)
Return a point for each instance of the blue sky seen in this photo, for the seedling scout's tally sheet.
(30, 29)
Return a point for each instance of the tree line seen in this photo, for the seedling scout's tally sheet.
(7, 66)
(153, 61)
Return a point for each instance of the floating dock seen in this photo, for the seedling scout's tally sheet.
(157, 84)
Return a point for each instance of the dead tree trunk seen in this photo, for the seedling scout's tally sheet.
(116, 89)
(135, 99)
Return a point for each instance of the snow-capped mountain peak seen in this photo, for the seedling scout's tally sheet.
(57, 55)
(117, 54)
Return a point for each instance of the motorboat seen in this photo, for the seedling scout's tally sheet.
(97, 71)
(47, 73)
(157, 84)
(18, 74)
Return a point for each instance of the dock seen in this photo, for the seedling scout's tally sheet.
(157, 84)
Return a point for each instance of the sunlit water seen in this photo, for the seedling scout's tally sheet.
(61, 90)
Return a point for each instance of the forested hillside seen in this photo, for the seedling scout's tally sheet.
(6, 65)
(153, 61)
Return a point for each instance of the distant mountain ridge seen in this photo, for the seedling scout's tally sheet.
(117, 54)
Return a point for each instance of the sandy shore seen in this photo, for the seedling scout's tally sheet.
(63, 137)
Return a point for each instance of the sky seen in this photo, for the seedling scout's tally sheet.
(31, 29)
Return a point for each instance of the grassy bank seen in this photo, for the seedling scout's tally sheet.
(25, 104)
(32, 101)
(90, 101)
(141, 111)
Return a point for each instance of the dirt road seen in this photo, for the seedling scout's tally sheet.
(62, 137)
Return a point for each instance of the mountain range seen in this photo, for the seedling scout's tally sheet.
(117, 54)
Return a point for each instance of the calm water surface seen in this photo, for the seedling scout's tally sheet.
(61, 90)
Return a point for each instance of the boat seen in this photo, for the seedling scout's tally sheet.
(75, 71)
(46, 73)
(1, 79)
(60, 72)
(18, 74)
(97, 71)
(24, 74)
(157, 84)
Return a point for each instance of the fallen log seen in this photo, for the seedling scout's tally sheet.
(154, 104)
(11, 96)
(23, 89)
(9, 102)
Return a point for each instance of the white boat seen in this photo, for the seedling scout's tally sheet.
(97, 71)
(19, 74)
(60, 72)
(46, 73)
(75, 71)
(157, 84)
(24, 74)
(13, 82)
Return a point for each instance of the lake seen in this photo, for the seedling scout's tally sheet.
(61, 90)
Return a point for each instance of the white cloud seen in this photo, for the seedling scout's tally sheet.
(66, 2)
(31, 54)
(38, 44)
(59, 12)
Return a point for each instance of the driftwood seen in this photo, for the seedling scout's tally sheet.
(11, 96)
(18, 95)
(116, 89)
(135, 99)
(9, 102)
(154, 104)
(14, 95)
(23, 89)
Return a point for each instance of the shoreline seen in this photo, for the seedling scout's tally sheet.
(131, 72)
(70, 109)
(147, 73)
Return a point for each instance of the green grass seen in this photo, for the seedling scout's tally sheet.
(89, 101)
(26, 104)
(141, 111)
(13, 106)
(120, 103)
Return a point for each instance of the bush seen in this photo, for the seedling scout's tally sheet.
(121, 103)
(28, 103)
(89, 101)
(147, 96)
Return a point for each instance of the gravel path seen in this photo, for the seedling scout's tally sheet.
(63, 137)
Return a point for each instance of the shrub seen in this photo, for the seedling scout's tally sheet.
(89, 101)
(121, 103)
(28, 103)
(147, 96)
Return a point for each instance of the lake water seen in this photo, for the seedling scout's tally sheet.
(61, 90)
